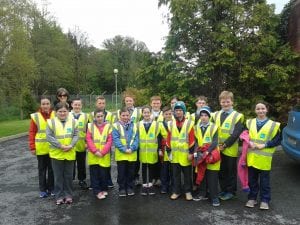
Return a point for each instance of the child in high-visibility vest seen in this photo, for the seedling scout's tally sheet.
(39, 146)
(264, 137)
(201, 101)
(62, 134)
(148, 131)
(126, 141)
(99, 141)
(206, 134)
(230, 123)
(156, 115)
(181, 141)
(165, 173)
(80, 147)
(110, 118)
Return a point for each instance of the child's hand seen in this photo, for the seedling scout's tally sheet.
(160, 153)
(99, 154)
(260, 146)
(190, 157)
(33, 152)
(251, 144)
(128, 151)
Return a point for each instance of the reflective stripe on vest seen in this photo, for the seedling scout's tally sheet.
(41, 144)
(207, 139)
(99, 141)
(82, 122)
(148, 142)
(261, 159)
(119, 155)
(180, 142)
(226, 129)
(63, 134)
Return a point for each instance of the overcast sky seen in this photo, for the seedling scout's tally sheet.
(104, 19)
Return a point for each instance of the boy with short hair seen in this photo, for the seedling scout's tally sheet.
(230, 123)
(80, 147)
(201, 101)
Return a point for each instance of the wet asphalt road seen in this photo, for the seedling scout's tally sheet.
(20, 204)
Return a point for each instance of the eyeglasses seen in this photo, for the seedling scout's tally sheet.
(62, 95)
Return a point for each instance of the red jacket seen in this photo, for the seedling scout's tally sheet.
(33, 129)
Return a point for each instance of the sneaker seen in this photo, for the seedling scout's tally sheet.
(151, 190)
(264, 206)
(199, 198)
(110, 184)
(60, 201)
(221, 194)
(174, 196)
(43, 194)
(104, 193)
(215, 202)
(188, 196)
(227, 196)
(69, 200)
(164, 191)
(144, 191)
(83, 185)
(130, 192)
(101, 195)
(122, 193)
(251, 203)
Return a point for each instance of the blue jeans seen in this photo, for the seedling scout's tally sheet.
(263, 186)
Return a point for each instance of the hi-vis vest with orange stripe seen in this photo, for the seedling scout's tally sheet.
(207, 139)
(41, 143)
(81, 122)
(261, 159)
(119, 155)
(64, 135)
(148, 142)
(99, 141)
(180, 142)
(226, 129)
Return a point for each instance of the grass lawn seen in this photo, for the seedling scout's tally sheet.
(12, 127)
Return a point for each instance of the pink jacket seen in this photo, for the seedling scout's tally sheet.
(91, 146)
(242, 164)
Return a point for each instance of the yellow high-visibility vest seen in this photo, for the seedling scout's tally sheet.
(99, 141)
(148, 142)
(82, 123)
(180, 142)
(226, 129)
(41, 143)
(207, 139)
(119, 155)
(261, 159)
(64, 135)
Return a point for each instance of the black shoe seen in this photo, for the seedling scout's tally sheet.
(151, 190)
(144, 191)
(122, 193)
(83, 185)
(130, 192)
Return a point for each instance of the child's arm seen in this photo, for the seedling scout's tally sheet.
(135, 145)
(276, 140)
(90, 144)
(214, 143)
(117, 141)
(238, 129)
(32, 133)
(51, 138)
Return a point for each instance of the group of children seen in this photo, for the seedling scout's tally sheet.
(168, 144)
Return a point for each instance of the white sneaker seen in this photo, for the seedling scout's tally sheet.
(251, 203)
(100, 196)
(264, 205)
(105, 193)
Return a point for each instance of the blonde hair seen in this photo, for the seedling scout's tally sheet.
(155, 98)
(226, 94)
